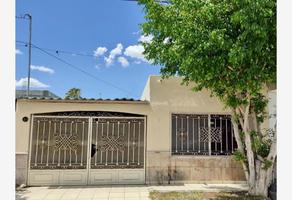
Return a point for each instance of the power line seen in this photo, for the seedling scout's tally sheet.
(81, 70)
(44, 50)
(61, 51)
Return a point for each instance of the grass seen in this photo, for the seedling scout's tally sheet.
(155, 195)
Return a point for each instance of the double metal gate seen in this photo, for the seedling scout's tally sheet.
(79, 150)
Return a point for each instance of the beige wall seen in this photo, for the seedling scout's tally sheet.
(169, 96)
(166, 97)
(162, 168)
(29, 107)
(146, 92)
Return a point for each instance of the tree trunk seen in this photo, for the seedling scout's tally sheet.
(249, 151)
(258, 178)
(263, 180)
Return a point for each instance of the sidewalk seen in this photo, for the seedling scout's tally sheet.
(120, 192)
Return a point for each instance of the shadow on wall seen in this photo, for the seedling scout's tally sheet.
(169, 177)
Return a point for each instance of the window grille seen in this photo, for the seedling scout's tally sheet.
(194, 134)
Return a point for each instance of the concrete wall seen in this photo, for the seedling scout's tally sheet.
(21, 168)
(272, 106)
(162, 168)
(26, 108)
(166, 97)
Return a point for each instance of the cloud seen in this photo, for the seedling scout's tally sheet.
(99, 51)
(18, 52)
(124, 62)
(135, 51)
(42, 69)
(146, 39)
(167, 40)
(33, 83)
(137, 62)
(114, 52)
(136, 32)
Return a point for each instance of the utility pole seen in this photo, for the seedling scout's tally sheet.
(29, 53)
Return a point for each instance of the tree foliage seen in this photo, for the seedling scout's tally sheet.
(229, 48)
(73, 93)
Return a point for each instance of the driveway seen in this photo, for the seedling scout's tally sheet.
(121, 192)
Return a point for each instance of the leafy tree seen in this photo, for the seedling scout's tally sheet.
(229, 48)
(73, 93)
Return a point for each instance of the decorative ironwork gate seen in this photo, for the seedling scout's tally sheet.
(117, 143)
(59, 143)
(86, 150)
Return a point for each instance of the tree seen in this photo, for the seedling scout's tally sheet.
(73, 93)
(229, 48)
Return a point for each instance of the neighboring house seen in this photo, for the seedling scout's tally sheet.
(35, 93)
(171, 135)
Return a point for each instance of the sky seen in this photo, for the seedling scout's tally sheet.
(105, 32)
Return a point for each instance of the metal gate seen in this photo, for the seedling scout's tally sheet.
(80, 150)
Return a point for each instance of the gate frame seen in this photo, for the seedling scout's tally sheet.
(89, 139)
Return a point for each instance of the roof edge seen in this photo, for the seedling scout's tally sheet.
(107, 101)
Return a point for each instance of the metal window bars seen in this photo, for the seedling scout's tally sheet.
(194, 134)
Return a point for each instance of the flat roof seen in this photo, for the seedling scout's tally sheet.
(84, 100)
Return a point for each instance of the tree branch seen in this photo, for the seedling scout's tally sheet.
(240, 145)
(255, 122)
(248, 145)
(240, 118)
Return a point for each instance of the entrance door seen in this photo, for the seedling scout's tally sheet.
(117, 154)
(59, 150)
(79, 150)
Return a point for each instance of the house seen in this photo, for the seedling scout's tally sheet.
(171, 135)
(35, 93)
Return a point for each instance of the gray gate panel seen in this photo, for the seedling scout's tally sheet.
(59, 143)
(117, 143)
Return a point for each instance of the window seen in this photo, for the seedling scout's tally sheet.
(194, 134)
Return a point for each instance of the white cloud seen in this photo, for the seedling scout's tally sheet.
(137, 62)
(108, 61)
(136, 32)
(99, 51)
(42, 69)
(146, 39)
(18, 52)
(114, 52)
(135, 51)
(167, 40)
(124, 62)
(33, 83)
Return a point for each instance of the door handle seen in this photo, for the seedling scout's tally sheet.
(93, 150)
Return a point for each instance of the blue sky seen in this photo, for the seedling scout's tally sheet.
(108, 29)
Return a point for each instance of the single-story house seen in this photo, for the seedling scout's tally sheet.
(171, 135)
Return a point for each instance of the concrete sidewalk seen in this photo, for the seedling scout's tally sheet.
(120, 192)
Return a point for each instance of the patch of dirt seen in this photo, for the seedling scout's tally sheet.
(155, 195)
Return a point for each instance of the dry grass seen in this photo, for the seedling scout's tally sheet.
(202, 196)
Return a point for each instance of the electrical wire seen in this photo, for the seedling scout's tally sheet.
(77, 68)
(60, 51)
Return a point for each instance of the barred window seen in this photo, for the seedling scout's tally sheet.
(194, 134)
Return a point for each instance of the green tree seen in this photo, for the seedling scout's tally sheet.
(229, 48)
(73, 93)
